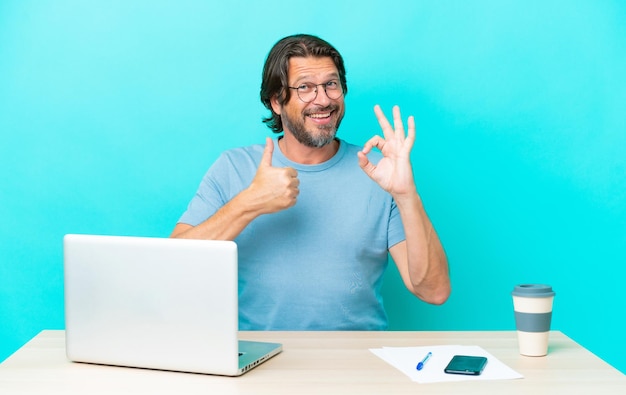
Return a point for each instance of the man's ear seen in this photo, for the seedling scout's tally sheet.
(276, 106)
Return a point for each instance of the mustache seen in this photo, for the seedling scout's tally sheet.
(329, 108)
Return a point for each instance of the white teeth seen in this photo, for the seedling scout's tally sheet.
(319, 115)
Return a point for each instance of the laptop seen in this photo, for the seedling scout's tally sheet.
(156, 303)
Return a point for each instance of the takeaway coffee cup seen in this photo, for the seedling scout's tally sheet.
(533, 312)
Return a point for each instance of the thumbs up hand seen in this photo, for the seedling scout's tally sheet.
(273, 188)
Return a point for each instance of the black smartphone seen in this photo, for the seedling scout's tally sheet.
(465, 364)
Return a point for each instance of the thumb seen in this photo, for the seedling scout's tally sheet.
(266, 159)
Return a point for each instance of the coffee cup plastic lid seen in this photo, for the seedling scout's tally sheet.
(533, 291)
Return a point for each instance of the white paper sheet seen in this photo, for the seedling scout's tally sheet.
(405, 359)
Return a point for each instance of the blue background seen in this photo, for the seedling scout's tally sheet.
(111, 112)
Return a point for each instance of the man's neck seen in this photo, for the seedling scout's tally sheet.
(300, 153)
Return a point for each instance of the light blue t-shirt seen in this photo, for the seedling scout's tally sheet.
(319, 264)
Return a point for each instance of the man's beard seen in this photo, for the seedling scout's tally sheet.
(324, 135)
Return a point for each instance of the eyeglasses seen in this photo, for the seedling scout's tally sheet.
(307, 92)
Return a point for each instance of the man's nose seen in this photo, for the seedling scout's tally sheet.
(321, 98)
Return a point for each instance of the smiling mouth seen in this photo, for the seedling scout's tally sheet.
(319, 115)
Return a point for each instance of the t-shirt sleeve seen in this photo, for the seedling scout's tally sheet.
(208, 198)
(395, 233)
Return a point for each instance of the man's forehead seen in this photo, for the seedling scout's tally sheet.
(311, 66)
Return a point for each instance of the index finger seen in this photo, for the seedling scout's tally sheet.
(383, 122)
